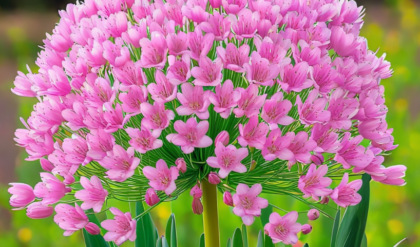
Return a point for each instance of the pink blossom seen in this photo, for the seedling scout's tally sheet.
(313, 109)
(250, 102)
(120, 163)
(155, 116)
(227, 198)
(301, 148)
(51, 189)
(197, 206)
(195, 10)
(39, 210)
(260, 71)
(314, 183)
(346, 194)
(214, 178)
(225, 98)
(199, 45)
(190, 135)
(276, 146)
(313, 214)
(93, 195)
(234, 58)
(283, 229)
(181, 165)
(326, 139)
(306, 53)
(36, 146)
(295, 78)
(162, 178)
(76, 150)
(144, 140)
(371, 104)
(72, 219)
(325, 77)
(194, 101)
(233, 6)
(275, 111)
(317, 159)
(228, 159)
(116, 24)
(22, 195)
(114, 117)
(274, 48)
(253, 133)
(135, 33)
(352, 154)
(99, 143)
(179, 70)
(151, 197)
(196, 192)
(208, 73)
(223, 138)
(375, 129)
(116, 54)
(163, 91)
(245, 26)
(345, 44)
(132, 100)
(306, 229)
(154, 51)
(130, 74)
(342, 109)
(392, 175)
(247, 203)
(46, 165)
(121, 228)
(23, 86)
(218, 25)
(177, 43)
(97, 91)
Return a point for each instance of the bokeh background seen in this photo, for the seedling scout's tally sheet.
(391, 26)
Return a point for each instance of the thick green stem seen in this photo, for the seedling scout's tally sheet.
(210, 214)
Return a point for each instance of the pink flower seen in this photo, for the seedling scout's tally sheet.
(317, 159)
(353, 154)
(76, 150)
(276, 146)
(342, 109)
(22, 195)
(314, 183)
(39, 210)
(208, 73)
(275, 111)
(274, 48)
(214, 178)
(114, 117)
(233, 6)
(217, 24)
(247, 203)
(301, 148)
(253, 134)
(346, 194)
(234, 58)
(121, 164)
(326, 139)
(116, 54)
(46, 165)
(135, 33)
(306, 229)
(51, 189)
(250, 102)
(313, 109)
(162, 178)
(227, 198)
(190, 135)
(155, 116)
(151, 197)
(97, 91)
(392, 175)
(179, 70)
(181, 165)
(199, 45)
(163, 91)
(194, 100)
(72, 219)
(132, 100)
(99, 143)
(196, 192)
(345, 44)
(197, 206)
(260, 71)
(116, 24)
(121, 228)
(93, 195)
(295, 78)
(283, 229)
(144, 140)
(245, 26)
(313, 214)
(228, 159)
(177, 43)
(225, 98)
(130, 74)
(154, 51)
(223, 138)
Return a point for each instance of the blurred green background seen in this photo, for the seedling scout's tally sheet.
(391, 26)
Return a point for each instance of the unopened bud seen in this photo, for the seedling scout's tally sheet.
(313, 214)
(214, 178)
(317, 159)
(197, 206)
(306, 229)
(222, 137)
(181, 165)
(227, 198)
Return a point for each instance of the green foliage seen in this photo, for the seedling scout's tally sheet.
(93, 240)
(237, 238)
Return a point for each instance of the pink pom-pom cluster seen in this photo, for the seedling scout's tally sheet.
(143, 99)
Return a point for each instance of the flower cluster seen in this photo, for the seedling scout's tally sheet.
(141, 99)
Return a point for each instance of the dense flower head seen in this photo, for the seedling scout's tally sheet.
(140, 100)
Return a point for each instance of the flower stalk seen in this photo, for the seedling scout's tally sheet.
(210, 214)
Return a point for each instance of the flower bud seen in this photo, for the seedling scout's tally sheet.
(151, 197)
(196, 192)
(37, 210)
(324, 200)
(92, 228)
(181, 165)
(222, 137)
(214, 178)
(306, 229)
(317, 159)
(46, 165)
(313, 214)
(22, 195)
(197, 206)
(227, 198)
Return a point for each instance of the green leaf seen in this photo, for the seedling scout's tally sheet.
(268, 242)
(364, 241)
(260, 241)
(159, 242)
(265, 214)
(306, 245)
(245, 236)
(237, 238)
(164, 242)
(229, 243)
(145, 228)
(202, 243)
(94, 240)
(170, 232)
(335, 228)
(353, 224)
(140, 232)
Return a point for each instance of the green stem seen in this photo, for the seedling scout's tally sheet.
(210, 214)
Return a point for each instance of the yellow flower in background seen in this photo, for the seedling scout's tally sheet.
(24, 235)
(395, 226)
